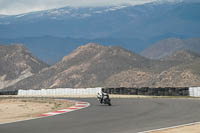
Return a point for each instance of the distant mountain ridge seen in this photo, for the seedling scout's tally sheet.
(166, 47)
(51, 49)
(105, 21)
(134, 26)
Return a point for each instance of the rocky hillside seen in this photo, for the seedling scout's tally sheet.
(185, 73)
(183, 55)
(16, 64)
(94, 65)
(88, 66)
(166, 47)
(173, 77)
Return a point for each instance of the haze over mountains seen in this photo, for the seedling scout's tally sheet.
(132, 27)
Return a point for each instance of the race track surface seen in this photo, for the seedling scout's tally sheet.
(125, 116)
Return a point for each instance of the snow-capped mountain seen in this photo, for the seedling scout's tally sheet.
(77, 12)
(134, 27)
(104, 21)
(61, 13)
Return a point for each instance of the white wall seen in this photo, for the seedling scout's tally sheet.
(194, 91)
(60, 91)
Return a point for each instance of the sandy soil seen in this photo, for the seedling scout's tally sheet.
(14, 109)
(185, 129)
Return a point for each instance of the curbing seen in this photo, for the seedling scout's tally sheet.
(77, 106)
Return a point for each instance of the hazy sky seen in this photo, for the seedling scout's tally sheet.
(10, 7)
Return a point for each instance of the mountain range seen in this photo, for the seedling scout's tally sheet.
(59, 31)
(154, 45)
(94, 65)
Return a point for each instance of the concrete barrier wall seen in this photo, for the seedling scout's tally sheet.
(167, 91)
(60, 91)
(7, 92)
(194, 91)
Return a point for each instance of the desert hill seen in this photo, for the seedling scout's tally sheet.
(93, 65)
(164, 48)
(16, 64)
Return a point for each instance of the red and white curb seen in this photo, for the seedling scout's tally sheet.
(77, 106)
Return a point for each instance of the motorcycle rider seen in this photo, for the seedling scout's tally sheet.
(101, 95)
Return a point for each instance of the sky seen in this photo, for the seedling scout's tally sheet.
(13, 7)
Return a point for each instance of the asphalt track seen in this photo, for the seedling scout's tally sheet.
(125, 116)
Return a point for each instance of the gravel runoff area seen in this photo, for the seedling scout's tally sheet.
(16, 109)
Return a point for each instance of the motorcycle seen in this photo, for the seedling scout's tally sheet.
(105, 99)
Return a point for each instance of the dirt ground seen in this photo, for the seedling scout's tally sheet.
(186, 129)
(15, 109)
